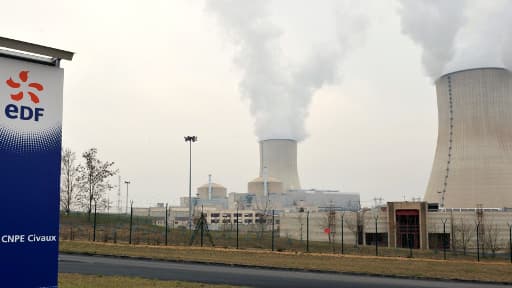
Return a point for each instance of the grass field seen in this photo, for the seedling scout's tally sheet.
(421, 268)
(86, 281)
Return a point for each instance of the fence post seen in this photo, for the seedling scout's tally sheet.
(444, 238)
(410, 240)
(94, 229)
(272, 229)
(131, 222)
(307, 232)
(376, 242)
(510, 240)
(202, 227)
(342, 215)
(478, 242)
(166, 223)
(237, 225)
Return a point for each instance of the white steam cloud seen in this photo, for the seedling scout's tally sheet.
(459, 34)
(279, 93)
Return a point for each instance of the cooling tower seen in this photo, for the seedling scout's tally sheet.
(279, 158)
(473, 160)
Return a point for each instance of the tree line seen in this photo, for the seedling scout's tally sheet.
(85, 183)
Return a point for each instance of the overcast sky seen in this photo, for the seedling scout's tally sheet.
(147, 73)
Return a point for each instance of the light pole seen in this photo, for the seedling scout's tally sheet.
(127, 183)
(190, 139)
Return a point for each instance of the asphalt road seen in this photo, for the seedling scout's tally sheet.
(241, 276)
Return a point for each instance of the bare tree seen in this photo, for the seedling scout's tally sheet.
(491, 236)
(464, 232)
(69, 175)
(329, 223)
(352, 223)
(263, 206)
(93, 180)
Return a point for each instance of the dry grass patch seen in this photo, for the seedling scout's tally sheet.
(86, 281)
(423, 268)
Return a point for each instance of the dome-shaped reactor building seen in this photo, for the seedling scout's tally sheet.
(473, 160)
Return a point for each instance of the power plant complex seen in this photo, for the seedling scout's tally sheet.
(470, 183)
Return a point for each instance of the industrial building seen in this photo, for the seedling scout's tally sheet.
(277, 187)
(414, 225)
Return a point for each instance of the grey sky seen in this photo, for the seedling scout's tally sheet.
(147, 73)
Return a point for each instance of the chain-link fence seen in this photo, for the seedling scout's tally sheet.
(341, 232)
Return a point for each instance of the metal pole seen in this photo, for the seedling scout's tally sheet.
(342, 250)
(307, 232)
(166, 223)
(127, 183)
(410, 240)
(131, 222)
(237, 226)
(444, 239)
(190, 188)
(478, 242)
(272, 229)
(202, 228)
(376, 242)
(94, 233)
(510, 240)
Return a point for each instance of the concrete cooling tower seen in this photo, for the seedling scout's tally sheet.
(473, 160)
(279, 158)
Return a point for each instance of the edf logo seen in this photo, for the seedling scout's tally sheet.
(13, 111)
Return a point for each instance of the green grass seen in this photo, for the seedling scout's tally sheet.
(398, 266)
(98, 281)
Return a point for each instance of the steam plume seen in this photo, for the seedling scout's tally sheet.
(279, 94)
(459, 34)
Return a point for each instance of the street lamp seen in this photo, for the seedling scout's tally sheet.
(190, 139)
(127, 183)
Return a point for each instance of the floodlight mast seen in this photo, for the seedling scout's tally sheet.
(190, 139)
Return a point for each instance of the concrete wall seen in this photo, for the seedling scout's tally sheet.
(294, 226)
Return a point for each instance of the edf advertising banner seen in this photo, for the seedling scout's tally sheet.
(30, 155)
